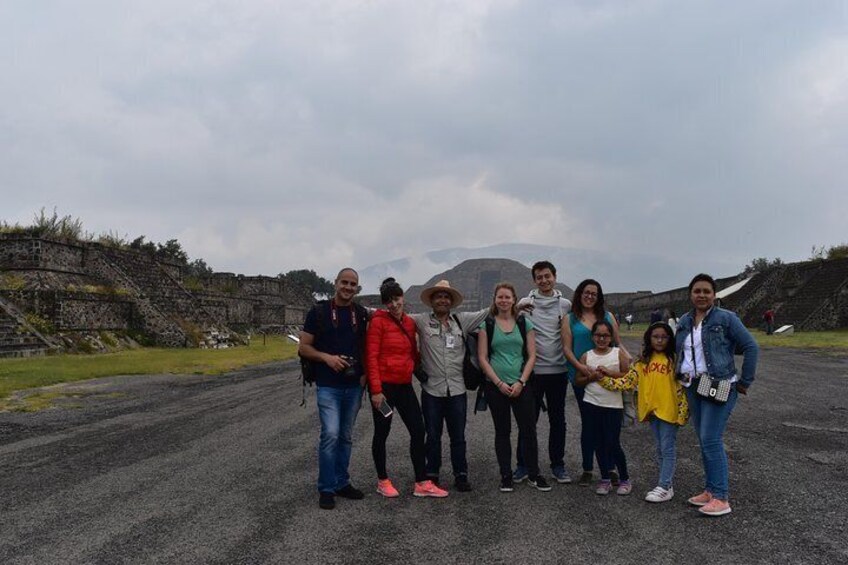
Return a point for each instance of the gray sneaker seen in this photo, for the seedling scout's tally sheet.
(561, 475)
(519, 475)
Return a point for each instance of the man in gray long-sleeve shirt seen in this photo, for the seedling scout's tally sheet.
(443, 398)
(549, 311)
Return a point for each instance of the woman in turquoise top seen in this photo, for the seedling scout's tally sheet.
(507, 360)
(587, 307)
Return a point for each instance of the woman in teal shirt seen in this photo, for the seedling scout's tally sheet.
(508, 365)
(587, 307)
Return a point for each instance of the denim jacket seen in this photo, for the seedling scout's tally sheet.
(722, 334)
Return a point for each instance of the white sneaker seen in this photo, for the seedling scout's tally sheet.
(660, 494)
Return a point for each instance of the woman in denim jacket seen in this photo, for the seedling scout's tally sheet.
(707, 339)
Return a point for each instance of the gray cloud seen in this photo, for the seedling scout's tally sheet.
(276, 135)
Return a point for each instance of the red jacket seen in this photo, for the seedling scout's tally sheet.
(389, 352)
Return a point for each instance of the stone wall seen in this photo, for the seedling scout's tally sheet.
(75, 311)
(24, 252)
(676, 300)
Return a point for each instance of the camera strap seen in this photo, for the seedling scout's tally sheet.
(334, 315)
(409, 337)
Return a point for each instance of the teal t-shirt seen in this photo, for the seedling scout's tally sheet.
(506, 356)
(581, 340)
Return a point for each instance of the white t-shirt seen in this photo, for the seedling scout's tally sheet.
(595, 393)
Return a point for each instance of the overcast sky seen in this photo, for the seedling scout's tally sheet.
(274, 135)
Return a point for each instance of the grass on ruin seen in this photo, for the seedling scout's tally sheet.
(836, 340)
(20, 374)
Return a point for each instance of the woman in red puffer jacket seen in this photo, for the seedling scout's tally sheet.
(390, 355)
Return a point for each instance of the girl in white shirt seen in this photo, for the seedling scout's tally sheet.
(604, 408)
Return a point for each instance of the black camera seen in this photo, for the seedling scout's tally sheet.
(349, 371)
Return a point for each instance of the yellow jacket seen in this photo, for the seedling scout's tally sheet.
(660, 393)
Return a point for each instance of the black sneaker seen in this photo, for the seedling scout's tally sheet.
(539, 482)
(461, 483)
(326, 500)
(614, 478)
(351, 492)
(506, 484)
(586, 479)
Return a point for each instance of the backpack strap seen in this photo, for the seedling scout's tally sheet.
(490, 333)
(461, 333)
(521, 322)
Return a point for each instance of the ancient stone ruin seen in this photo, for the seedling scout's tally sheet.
(476, 280)
(810, 295)
(50, 288)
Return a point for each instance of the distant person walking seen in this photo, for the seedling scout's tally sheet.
(672, 321)
(391, 355)
(629, 319)
(768, 318)
(706, 341)
(333, 341)
(656, 316)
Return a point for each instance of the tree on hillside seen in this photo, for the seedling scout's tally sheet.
(308, 279)
(838, 251)
(140, 245)
(172, 249)
(198, 268)
(761, 265)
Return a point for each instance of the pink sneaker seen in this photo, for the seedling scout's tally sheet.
(701, 499)
(387, 489)
(429, 488)
(715, 507)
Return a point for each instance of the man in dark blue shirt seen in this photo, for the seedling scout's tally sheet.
(333, 339)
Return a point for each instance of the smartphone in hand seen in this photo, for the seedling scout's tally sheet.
(385, 409)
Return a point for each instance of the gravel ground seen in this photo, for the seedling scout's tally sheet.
(195, 469)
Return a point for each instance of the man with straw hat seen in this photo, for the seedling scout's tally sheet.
(443, 398)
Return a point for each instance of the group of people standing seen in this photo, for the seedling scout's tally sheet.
(529, 350)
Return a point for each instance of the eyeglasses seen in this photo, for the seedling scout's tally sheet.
(590, 294)
(602, 336)
(660, 337)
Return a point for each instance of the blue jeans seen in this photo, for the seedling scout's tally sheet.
(666, 435)
(709, 420)
(451, 410)
(605, 426)
(587, 438)
(337, 409)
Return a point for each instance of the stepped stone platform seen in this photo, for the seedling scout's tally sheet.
(809, 295)
(90, 287)
(476, 280)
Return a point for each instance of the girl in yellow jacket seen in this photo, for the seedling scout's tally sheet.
(661, 400)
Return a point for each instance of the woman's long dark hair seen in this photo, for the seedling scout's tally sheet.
(577, 305)
(647, 348)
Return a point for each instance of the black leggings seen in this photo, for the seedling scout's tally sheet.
(524, 408)
(402, 399)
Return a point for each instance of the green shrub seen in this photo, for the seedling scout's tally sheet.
(193, 284)
(108, 339)
(12, 282)
(41, 324)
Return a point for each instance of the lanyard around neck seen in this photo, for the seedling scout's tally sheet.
(334, 315)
